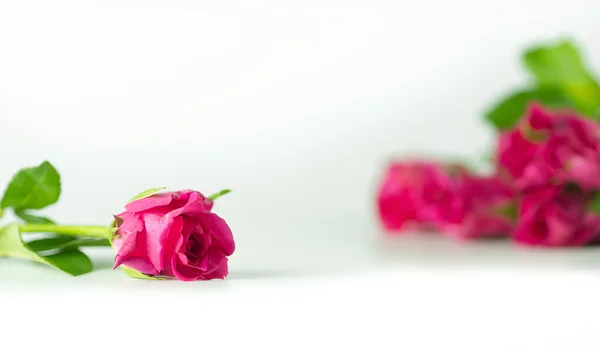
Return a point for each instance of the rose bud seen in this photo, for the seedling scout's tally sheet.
(551, 148)
(173, 235)
(406, 188)
(557, 216)
(475, 207)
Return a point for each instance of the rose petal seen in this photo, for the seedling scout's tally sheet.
(126, 242)
(140, 264)
(220, 272)
(584, 171)
(161, 199)
(216, 264)
(174, 241)
(220, 230)
(196, 204)
(157, 231)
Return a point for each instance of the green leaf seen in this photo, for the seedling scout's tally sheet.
(561, 66)
(506, 113)
(30, 218)
(137, 275)
(33, 188)
(595, 116)
(147, 193)
(594, 204)
(54, 242)
(218, 194)
(508, 210)
(64, 242)
(71, 261)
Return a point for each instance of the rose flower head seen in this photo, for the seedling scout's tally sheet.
(173, 235)
(551, 148)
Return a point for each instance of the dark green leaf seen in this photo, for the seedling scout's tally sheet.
(33, 188)
(561, 66)
(64, 242)
(506, 113)
(147, 193)
(30, 218)
(71, 261)
(54, 242)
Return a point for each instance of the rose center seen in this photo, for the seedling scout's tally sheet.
(192, 245)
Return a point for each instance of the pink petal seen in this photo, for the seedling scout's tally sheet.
(217, 270)
(196, 204)
(538, 118)
(140, 264)
(126, 242)
(175, 241)
(220, 272)
(219, 229)
(157, 231)
(584, 171)
(158, 200)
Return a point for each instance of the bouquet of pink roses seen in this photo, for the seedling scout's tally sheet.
(544, 189)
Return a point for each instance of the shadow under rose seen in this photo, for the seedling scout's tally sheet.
(263, 274)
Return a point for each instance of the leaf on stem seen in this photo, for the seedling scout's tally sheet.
(507, 112)
(64, 242)
(560, 66)
(70, 261)
(32, 188)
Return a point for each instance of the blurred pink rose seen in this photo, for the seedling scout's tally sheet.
(548, 148)
(406, 188)
(556, 216)
(475, 207)
(174, 235)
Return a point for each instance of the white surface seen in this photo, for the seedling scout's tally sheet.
(492, 307)
(295, 105)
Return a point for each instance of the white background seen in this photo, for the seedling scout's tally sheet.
(294, 105)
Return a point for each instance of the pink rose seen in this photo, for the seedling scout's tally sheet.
(406, 188)
(174, 235)
(548, 148)
(556, 216)
(474, 207)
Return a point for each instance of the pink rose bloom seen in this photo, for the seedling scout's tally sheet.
(552, 148)
(173, 234)
(475, 207)
(406, 188)
(556, 216)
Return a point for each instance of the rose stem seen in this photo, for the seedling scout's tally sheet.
(86, 231)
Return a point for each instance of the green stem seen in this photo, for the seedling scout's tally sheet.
(81, 231)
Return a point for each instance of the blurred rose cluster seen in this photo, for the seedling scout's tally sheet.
(543, 191)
